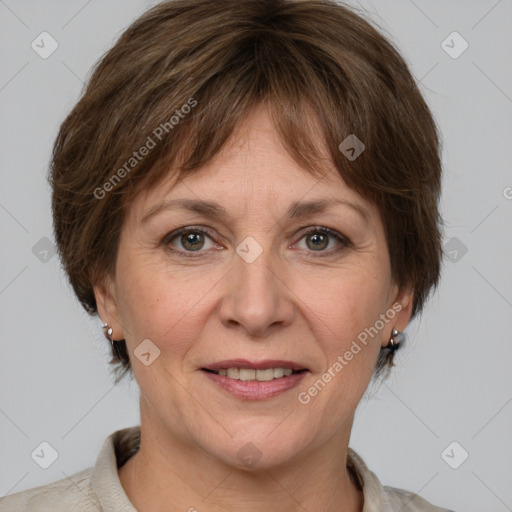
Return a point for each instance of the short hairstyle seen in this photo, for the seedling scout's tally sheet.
(184, 75)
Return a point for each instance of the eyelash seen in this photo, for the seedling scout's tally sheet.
(343, 241)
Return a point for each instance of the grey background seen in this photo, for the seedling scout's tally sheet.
(452, 382)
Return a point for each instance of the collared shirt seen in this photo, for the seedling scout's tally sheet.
(99, 488)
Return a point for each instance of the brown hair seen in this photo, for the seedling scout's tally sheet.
(310, 60)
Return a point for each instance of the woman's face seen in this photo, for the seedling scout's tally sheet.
(246, 281)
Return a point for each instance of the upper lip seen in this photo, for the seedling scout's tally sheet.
(256, 365)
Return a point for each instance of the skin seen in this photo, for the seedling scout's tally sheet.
(295, 302)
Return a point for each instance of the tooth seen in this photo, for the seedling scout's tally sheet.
(264, 375)
(247, 374)
(278, 373)
(233, 373)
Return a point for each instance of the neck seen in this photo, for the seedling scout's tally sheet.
(169, 475)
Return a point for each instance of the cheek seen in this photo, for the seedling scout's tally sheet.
(345, 303)
(161, 306)
(343, 310)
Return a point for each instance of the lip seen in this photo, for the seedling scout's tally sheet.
(254, 365)
(255, 390)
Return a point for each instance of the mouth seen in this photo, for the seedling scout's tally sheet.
(241, 381)
(262, 371)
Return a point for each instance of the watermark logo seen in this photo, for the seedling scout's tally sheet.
(44, 455)
(454, 455)
(44, 45)
(249, 454)
(44, 250)
(455, 249)
(352, 147)
(454, 45)
(146, 352)
(249, 249)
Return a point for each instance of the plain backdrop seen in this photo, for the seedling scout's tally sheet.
(453, 381)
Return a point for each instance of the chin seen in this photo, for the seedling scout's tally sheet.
(255, 450)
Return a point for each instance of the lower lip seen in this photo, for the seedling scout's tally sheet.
(254, 389)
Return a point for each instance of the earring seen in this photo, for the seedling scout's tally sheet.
(108, 335)
(397, 337)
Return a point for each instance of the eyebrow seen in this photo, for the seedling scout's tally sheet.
(212, 209)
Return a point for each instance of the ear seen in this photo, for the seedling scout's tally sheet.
(401, 304)
(106, 302)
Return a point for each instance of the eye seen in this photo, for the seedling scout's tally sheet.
(318, 239)
(189, 240)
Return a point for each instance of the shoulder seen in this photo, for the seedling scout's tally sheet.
(406, 501)
(379, 498)
(71, 493)
(91, 490)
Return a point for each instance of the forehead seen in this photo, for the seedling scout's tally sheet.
(253, 171)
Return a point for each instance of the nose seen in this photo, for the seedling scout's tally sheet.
(257, 298)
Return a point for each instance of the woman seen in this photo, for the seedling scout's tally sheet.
(247, 196)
